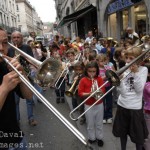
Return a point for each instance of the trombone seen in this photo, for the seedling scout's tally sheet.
(65, 71)
(47, 71)
(113, 78)
(47, 104)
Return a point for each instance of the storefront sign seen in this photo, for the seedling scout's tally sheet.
(118, 5)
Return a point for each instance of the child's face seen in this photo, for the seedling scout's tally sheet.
(129, 58)
(101, 62)
(78, 70)
(91, 72)
(71, 57)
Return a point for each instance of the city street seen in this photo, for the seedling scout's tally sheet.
(52, 134)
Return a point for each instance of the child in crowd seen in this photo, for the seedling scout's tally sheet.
(104, 64)
(78, 75)
(94, 116)
(60, 91)
(86, 53)
(70, 54)
(129, 119)
(146, 95)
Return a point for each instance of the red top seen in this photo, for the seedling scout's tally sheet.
(63, 49)
(85, 87)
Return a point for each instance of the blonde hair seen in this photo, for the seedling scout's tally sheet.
(135, 51)
(102, 57)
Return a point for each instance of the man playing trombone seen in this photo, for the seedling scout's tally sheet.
(10, 83)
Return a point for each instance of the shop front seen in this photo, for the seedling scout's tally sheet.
(124, 13)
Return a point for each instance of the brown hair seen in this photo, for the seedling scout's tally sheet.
(79, 64)
(70, 51)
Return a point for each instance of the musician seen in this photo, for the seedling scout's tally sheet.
(146, 96)
(17, 39)
(70, 54)
(76, 100)
(104, 64)
(61, 91)
(9, 84)
(94, 117)
(129, 119)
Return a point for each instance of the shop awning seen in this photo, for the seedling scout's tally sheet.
(75, 16)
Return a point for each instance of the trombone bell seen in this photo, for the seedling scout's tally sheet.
(48, 72)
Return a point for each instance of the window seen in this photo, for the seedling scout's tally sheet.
(18, 17)
(17, 7)
(20, 26)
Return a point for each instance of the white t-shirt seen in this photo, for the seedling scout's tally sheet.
(131, 89)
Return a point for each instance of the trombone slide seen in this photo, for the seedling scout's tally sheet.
(48, 105)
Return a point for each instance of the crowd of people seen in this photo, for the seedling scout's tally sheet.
(85, 63)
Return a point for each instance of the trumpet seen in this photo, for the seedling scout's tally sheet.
(113, 78)
(73, 88)
(94, 87)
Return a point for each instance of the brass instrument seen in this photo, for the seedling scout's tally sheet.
(113, 78)
(47, 103)
(115, 43)
(72, 89)
(144, 38)
(95, 87)
(48, 70)
(65, 71)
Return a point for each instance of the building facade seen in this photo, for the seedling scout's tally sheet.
(8, 16)
(115, 16)
(109, 18)
(27, 18)
(80, 22)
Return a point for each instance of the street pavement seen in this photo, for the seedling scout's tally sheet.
(52, 134)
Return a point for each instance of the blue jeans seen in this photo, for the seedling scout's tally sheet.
(29, 104)
(37, 87)
(21, 146)
(108, 99)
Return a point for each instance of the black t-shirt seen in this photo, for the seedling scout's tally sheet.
(25, 48)
(10, 133)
